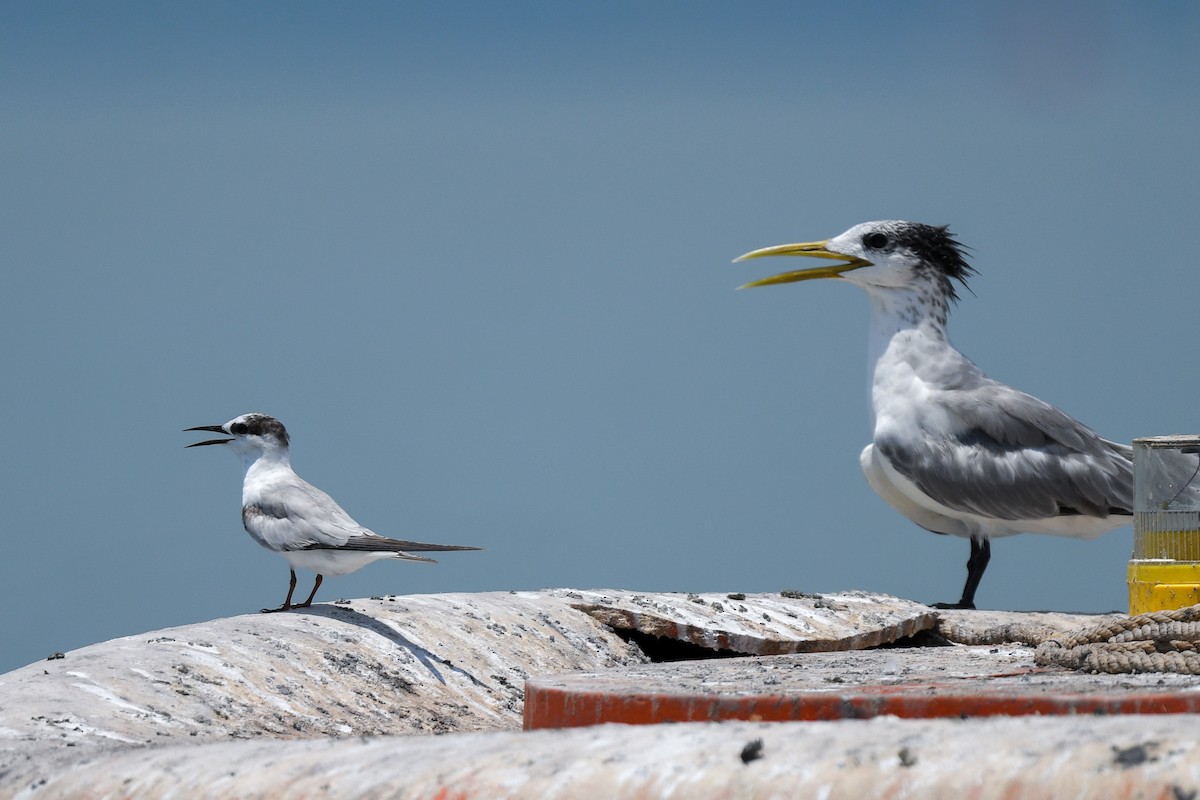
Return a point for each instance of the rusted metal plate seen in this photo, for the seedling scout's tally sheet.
(905, 682)
(760, 624)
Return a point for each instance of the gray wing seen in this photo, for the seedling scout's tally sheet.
(302, 517)
(1011, 456)
(298, 516)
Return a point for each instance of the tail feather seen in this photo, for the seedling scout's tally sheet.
(382, 544)
(419, 547)
(410, 557)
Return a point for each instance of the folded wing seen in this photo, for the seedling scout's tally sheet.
(1011, 456)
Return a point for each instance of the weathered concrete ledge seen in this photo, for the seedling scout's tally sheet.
(396, 665)
(760, 624)
(387, 668)
(1034, 758)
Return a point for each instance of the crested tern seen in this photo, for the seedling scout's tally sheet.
(287, 515)
(953, 450)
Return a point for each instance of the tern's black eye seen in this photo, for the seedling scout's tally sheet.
(238, 427)
(875, 240)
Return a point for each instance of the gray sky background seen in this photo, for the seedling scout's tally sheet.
(476, 257)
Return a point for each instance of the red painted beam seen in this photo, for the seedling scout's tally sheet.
(554, 707)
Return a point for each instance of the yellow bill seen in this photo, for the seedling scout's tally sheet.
(810, 249)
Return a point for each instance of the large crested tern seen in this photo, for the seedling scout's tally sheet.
(287, 515)
(953, 450)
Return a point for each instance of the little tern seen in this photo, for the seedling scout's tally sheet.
(287, 515)
(953, 450)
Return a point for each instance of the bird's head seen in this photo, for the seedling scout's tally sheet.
(887, 254)
(249, 434)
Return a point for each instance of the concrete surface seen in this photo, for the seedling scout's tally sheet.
(407, 664)
(332, 701)
(761, 624)
(996, 758)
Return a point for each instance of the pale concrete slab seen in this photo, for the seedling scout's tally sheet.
(984, 759)
(415, 664)
(405, 664)
(760, 624)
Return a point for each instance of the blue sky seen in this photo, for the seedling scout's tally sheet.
(476, 257)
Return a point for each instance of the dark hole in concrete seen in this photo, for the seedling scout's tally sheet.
(660, 649)
(929, 638)
(1133, 756)
(752, 751)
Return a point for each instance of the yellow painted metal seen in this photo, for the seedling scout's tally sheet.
(1163, 585)
(1164, 568)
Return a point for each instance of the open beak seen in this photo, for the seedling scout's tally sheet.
(213, 428)
(810, 249)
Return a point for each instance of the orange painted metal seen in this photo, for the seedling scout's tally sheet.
(558, 708)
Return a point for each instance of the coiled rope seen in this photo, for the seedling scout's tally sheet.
(1161, 641)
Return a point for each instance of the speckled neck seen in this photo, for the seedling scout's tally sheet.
(908, 325)
(925, 307)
